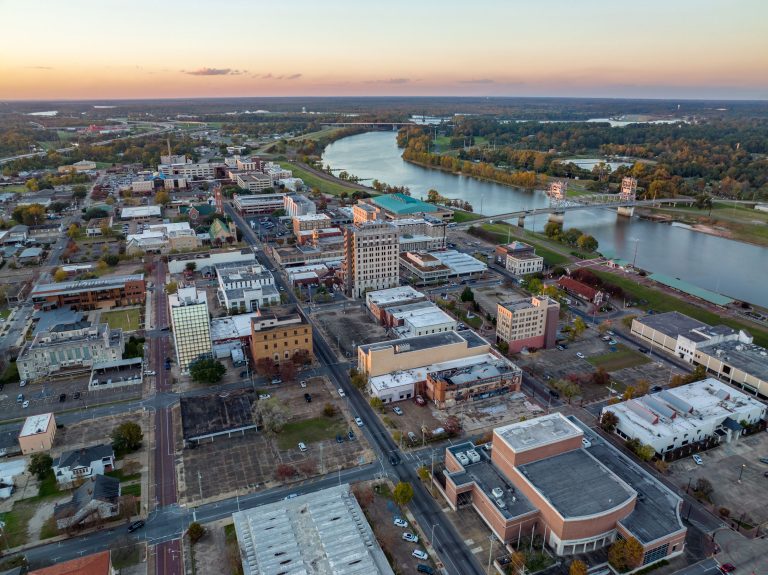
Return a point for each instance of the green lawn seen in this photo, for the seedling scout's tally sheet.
(503, 231)
(11, 374)
(330, 188)
(4, 313)
(619, 359)
(460, 216)
(660, 301)
(134, 489)
(122, 477)
(14, 189)
(309, 431)
(127, 319)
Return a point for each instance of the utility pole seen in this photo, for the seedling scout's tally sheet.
(490, 554)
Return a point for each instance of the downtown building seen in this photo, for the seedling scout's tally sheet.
(370, 262)
(191, 326)
(245, 288)
(528, 323)
(101, 293)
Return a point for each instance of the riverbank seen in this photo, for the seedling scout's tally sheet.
(326, 183)
(460, 173)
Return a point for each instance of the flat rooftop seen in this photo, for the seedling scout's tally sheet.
(36, 424)
(320, 533)
(141, 212)
(216, 413)
(421, 342)
(590, 487)
(533, 433)
(425, 317)
(748, 357)
(85, 285)
(671, 323)
(232, 327)
(393, 295)
(459, 262)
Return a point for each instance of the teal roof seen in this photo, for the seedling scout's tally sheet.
(696, 291)
(402, 204)
(203, 209)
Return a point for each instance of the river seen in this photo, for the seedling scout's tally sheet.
(733, 268)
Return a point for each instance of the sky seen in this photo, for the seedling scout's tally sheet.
(86, 49)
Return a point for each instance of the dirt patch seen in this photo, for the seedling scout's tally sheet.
(43, 512)
(210, 553)
(94, 431)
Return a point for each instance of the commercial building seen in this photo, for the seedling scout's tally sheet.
(370, 258)
(191, 326)
(528, 323)
(206, 417)
(69, 347)
(101, 293)
(254, 182)
(178, 263)
(321, 532)
(245, 288)
(258, 204)
(421, 268)
(162, 238)
(190, 171)
(573, 287)
(396, 206)
(298, 205)
(95, 564)
(37, 433)
(78, 464)
(81, 166)
(140, 212)
(417, 234)
(309, 222)
(315, 237)
(724, 352)
(323, 251)
(519, 258)
(460, 265)
(538, 478)
(415, 319)
(696, 414)
(379, 301)
(279, 334)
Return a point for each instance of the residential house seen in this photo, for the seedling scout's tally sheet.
(83, 463)
(97, 499)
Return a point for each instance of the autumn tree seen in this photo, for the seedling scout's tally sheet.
(60, 275)
(629, 393)
(402, 493)
(127, 437)
(171, 287)
(604, 326)
(40, 465)
(73, 230)
(577, 568)
(162, 198)
(587, 243)
(284, 472)
(577, 328)
(287, 371)
(423, 473)
(195, 532)
(601, 377)
(609, 421)
(273, 414)
(625, 554)
(376, 403)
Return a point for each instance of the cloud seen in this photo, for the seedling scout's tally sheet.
(39, 67)
(478, 81)
(271, 76)
(293, 77)
(390, 81)
(208, 72)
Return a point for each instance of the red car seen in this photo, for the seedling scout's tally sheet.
(727, 567)
(420, 400)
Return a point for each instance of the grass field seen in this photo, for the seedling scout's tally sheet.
(327, 131)
(310, 430)
(660, 301)
(621, 358)
(330, 188)
(460, 216)
(14, 189)
(126, 319)
(134, 489)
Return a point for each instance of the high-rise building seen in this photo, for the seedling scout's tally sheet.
(370, 261)
(529, 322)
(191, 325)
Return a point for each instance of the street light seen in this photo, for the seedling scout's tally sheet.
(637, 243)
(741, 471)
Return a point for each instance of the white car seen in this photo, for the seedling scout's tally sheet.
(25, 405)
(400, 522)
(580, 355)
(696, 458)
(397, 411)
(303, 383)
(419, 554)
(359, 422)
(264, 396)
(410, 537)
(341, 393)
(302, 446)
(22, 383)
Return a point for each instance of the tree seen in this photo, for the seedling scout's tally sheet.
(60, 275)
(34, 215)
(329, 410)
(577, 328)
(195, 532)
(423, 473)
(452, 426)
(703, 489)
(577, 568)
(587, 243)
(111, 260)
(288, 371)
(40, 465)
(301, 357)
(266, 367)
(207, 370)
(171, 287)
(534, 285)
(467, 295)
(376, 403)
(703, 202)
(94, 213)
(284, 472)
(73, 230)
(629, 393)
(553, 230)
(604, 326)
(609, 421)
(571, 236)
(79, 192)
(273, 414)
(645, 452)
(625, 554)
(162, 198)
(127, 437)
(403, 493)
(601, 377)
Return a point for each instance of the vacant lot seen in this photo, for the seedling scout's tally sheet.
(128, 319)
(622, 358)
(310, 431)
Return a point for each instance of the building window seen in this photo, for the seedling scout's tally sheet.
(655, 554)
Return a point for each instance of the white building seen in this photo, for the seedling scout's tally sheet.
(254, 182)
(83, 462)
(422, 318)
(246, 288)
(420, 234)
(321, 532)
(178, 263)
(461, 265)
(298, 205)
(191, 326)
(189, 170)
(258, 204)
(685, 415)
(140, 212)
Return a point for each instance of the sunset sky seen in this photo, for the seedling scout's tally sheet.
(78, 49)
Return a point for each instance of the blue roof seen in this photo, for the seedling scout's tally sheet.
(694, 290)
(402, 204)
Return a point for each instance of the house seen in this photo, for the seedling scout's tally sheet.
(577, 288)
(96, 226)
(85, 462)
(222, 232)
(18, 234)
(98, 498)
(94, 564)
(30, 256)
(197, 212)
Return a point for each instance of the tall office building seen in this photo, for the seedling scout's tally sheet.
(370, 257)
(191, 325)
(528, 322)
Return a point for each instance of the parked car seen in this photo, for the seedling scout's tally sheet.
(727, 567)
(420, 400)
(764, 460)
(302, 446)
(642, 349)
(135, 525)
(561, 348)
(408, 536)
(276, 381)
(339, 439)
(698, 459)
(400, 522)
(264, 396)
(307, 398)
(580, 355)
(397, 411)
(22, 383)
(20, 398)
(419, 554)
(62, 397)
(303, 383)
(359, 422)
(351, 435)
(421, 568)
(656, 388)
(341, 393)
(554, 394)
(25, 405)
(613, 342)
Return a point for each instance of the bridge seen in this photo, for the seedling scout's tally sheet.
(556, 210)
(393, 125)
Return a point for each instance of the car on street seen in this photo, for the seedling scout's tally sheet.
(580, 355)
(763, 460)
(561, 348)
(290, 496)
(421, 568)
(397, 411)
(554, 394)
(727, 567)
(698, 460)
(62, 397)
(359, 422)
(606, 338)
(339, 439)
(394, 459)
(613, 342)
(136, 525)
(302, 446)
(264, 396)
(656, 388)
(341, 393)
(276, 381)
(408, 536)
(25, 405)
(149, 373)
(400, 522)
(307, 398)
(419, 554)
(351, 435)
(77, 395)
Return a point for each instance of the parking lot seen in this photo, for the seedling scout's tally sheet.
(229, 465)
(349, 327)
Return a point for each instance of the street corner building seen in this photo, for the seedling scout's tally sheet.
(543, 476)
